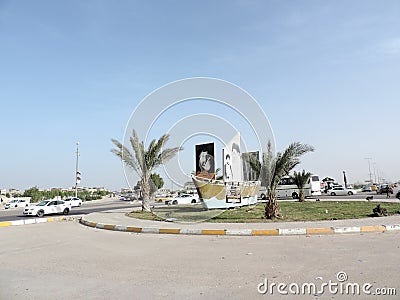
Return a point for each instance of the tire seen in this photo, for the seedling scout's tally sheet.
(263, 197)
(295, 196)
(193, 201)
(350, 193)
(175, 202)
(65, 211)
(40, 213)
(333, 194)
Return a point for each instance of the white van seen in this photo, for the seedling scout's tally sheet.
(17, 203)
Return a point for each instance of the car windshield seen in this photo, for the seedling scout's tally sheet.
(43, 203)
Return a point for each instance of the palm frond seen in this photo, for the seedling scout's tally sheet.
(126, 156)
(144, 161)
(138, 148)
(274, 168)
(167, 154)
(301, 178)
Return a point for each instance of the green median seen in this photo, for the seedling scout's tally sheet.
(290, 211)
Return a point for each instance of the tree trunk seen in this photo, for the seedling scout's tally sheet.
(146, 194)
(272, 209)
(302, 196)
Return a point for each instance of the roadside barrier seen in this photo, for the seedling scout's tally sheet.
(29, 221)
(245, 232)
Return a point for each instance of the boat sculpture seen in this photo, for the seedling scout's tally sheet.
(222, 194)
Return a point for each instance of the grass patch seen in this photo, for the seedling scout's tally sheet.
(291, 211)
(180, 213)
(143, 215)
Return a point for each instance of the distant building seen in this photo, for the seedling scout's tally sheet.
(15, 192)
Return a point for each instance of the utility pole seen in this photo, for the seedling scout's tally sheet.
(77, 174)
(374, 165)
(369, 168)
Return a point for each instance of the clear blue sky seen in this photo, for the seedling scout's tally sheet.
(326, 73)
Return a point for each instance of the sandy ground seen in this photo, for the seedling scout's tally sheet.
(66, 260)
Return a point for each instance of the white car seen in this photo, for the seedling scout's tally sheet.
(47, 207)
(16, 203)
(341, 191)
(75, 202)
(184, 199)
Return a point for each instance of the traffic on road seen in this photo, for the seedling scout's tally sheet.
(86, 208)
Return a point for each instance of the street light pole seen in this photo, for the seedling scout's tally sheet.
(76, 169)
(369, 168)
(374, 165)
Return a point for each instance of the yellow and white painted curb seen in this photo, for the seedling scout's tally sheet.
(38, 220)
(245, 232)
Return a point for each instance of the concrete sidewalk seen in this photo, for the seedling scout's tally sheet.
(117, 220)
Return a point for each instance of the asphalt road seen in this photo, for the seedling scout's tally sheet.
(114, 203)
(86, 208)
(65, 260)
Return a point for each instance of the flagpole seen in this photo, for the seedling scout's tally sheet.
(76, 170)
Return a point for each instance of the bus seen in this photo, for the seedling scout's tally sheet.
(288, 189)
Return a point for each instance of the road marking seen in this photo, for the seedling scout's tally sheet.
(170, 230)
(265, 232)
(134, 229)
(238, 232)
(292, 231)
(213, 231)
(320, 231)
(392, 227)
(346, 229)
(372, 228)
(190, 231)
(150, 230)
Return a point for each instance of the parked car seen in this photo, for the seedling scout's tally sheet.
(341, 191)
(162, 199)
(374, 187)
(47, 207)
(130, 197)
(384, 189)
(183, 199)
(17, 203)
(74, 201)
(366, 188)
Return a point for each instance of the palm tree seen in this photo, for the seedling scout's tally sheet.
(273, 168)
(143, 161)
(300, 179)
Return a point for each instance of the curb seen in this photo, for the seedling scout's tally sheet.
(38, 220)
(244, 232)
